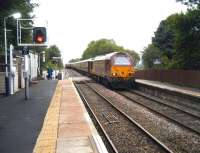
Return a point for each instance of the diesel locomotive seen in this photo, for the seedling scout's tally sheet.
(113, 69)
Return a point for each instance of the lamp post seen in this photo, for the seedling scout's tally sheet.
(16, 15)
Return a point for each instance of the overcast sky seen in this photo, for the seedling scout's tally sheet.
(72, 24)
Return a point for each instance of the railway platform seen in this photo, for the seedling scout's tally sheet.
(67, 127)
(53, 120)
(171, 87)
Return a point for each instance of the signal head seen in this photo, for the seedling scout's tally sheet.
(39, 35)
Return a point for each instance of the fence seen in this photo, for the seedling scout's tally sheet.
(181, 77)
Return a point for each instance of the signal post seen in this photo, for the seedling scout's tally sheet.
(39, 39)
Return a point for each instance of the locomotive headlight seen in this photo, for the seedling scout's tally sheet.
(114, 74)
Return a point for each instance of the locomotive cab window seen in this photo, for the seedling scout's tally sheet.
(122, 60)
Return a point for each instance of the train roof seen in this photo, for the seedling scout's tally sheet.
(101, 57)
(87, 60)
(107, 56)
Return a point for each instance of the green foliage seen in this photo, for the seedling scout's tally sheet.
(188, 40)
(190, 3)
(165, 36)
(150, 55)
(49, 64)
(104, 46)
(178, 38)
(134, 55)
(7, 8)
(100, 47)
(50, 53)
(74, 60)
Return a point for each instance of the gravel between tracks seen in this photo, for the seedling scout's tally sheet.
(183, 118)
(126, 136)
(177, 104)
(175, 137)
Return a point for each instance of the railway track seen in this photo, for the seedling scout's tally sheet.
(110, 146)
(72, 73)
(184, 118)
(174, 136)
(122, 132)
(173, 105)
(181, 99)
(182, 115)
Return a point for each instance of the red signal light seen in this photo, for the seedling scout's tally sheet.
(39, 35)
(40, 39)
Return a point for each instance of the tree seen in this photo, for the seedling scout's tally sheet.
(100, 47)
(50, 53)
(134, 55)
(188, 40)
(105, 46)
(7, 8)
(165, 36)
(178, 38)
(150, 55)
(190, 3)
(74, 60)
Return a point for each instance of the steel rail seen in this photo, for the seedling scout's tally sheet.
(161, 114)
(98, 122)
(133, 122)
(168, 105)
(169, 118)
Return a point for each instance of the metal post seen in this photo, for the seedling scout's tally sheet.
(6, 60)
(7, 90)
(12, 71)
(17, 32)
(26, 77)
(20, 32)
(27, 96)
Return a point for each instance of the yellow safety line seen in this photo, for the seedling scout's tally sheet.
(46, 141)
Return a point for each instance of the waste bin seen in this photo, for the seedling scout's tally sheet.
(59, 76)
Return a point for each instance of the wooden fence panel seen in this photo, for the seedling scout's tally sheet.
(181, 77)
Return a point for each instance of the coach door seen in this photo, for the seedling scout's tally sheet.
(107, 66)
(90, 67)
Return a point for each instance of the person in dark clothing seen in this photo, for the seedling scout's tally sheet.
(49, 72)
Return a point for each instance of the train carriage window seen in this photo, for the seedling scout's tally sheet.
(122, 60)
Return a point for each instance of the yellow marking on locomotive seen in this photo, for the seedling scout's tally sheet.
(122, 71)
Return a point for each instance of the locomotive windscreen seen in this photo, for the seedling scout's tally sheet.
(122, 60)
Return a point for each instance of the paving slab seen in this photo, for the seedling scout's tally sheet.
(74, 145)
(67, 128)
(73, 130)
(76, 131)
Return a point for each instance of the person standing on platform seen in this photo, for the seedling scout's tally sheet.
(50, 72)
